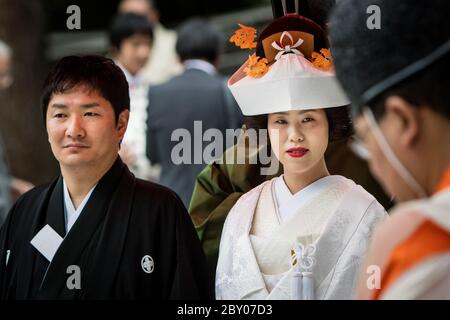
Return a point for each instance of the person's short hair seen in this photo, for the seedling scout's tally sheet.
(198, 39)
(340, 124)
(126, 25)
(429, 87)
(93, 72)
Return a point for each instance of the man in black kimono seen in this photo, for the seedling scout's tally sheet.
(97, 232)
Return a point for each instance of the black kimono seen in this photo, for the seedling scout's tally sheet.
(133, 240)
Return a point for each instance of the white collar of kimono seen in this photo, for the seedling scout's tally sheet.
(288, 203)
(72, 214)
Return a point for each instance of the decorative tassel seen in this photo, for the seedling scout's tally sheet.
(308, 286)
(297, 286)
(302, 283)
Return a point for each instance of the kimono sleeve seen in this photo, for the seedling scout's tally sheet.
(212, 199)
(5, 230)
(191, 279)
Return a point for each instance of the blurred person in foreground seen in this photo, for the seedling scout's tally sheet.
(397, 78)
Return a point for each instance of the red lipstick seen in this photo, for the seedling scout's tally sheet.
(297, 152)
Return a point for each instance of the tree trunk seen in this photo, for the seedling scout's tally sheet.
(21, 124)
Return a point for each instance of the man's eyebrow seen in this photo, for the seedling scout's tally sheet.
(84, 106)
(58, 106)
(90, 105)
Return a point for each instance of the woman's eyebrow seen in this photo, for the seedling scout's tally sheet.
(307, 110)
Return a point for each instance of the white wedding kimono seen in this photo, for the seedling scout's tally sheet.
(310, 245)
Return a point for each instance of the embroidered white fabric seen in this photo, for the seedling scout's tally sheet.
(339, 250)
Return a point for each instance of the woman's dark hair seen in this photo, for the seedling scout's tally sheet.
(96, 73)
(339, 122)
(126, 25)
(340, 125)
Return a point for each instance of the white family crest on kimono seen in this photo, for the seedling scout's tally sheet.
(429, 279)
(267, 252)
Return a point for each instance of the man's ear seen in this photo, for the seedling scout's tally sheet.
(122, 122)
(405, 117)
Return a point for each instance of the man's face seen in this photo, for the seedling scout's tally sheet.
(134, 52)
(379, 164)
(5, 72)
(82, 128)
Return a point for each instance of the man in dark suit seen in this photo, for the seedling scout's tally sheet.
(181, 110)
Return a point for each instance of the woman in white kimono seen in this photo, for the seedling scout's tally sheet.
(304, 234)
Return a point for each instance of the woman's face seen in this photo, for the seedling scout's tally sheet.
(298, 138)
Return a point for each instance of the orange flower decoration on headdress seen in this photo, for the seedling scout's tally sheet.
(256, 67)
(244, 37)
(322, 60)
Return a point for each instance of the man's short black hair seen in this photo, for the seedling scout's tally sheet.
(93, 72)
(126, 25)
(199, 39)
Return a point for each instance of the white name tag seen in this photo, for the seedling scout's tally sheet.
(47, 241)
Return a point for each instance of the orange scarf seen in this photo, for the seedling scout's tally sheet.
(427, 240)
(444, 183)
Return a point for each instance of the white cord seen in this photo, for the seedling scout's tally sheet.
(390, 155)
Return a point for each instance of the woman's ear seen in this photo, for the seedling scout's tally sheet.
(122, 122)
(405, 119)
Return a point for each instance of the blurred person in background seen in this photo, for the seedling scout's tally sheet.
(131, 38)
(10, 187)
(199, 94)
(163, 63)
